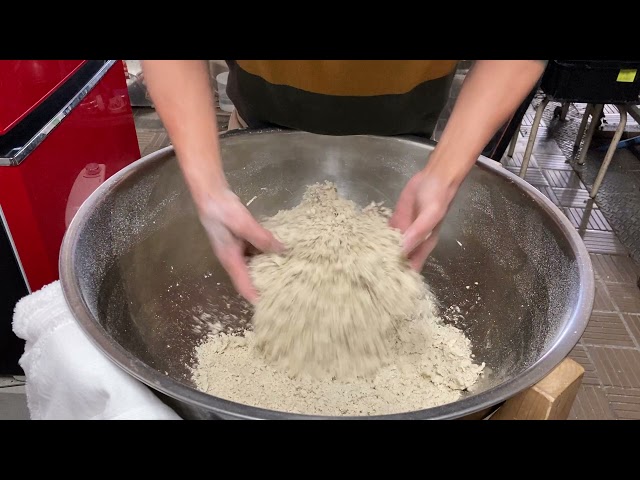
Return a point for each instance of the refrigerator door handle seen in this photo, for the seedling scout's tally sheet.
(17, 155)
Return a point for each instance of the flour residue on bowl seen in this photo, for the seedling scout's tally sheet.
(343, 325)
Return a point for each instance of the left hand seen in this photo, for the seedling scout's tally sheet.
(491, 92)
(420, 210)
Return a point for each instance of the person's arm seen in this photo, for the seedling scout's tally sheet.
(181, 93)
(491, 92)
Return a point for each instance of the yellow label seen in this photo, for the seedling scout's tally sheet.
(627, 75)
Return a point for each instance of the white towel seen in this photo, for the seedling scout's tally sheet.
(67, 376)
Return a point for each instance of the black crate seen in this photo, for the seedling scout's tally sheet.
(593, 81)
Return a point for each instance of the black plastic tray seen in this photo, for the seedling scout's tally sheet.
(593, 81)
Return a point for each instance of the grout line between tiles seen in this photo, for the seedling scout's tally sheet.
(613, 347)
(586, 352)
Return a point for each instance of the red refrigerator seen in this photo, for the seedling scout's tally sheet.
(65, 127)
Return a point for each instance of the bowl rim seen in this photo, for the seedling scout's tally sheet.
(566, 339)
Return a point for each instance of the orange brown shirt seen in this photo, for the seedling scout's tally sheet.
(342, 97)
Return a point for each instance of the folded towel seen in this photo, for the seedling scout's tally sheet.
(67, 376)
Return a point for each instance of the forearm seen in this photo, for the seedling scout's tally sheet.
(490, 94)
(181, 93)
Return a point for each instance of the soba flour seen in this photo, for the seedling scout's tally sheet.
(343, 325)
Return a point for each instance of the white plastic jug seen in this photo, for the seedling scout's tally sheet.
(225, 102)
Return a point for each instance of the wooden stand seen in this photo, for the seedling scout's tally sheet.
(549, 399)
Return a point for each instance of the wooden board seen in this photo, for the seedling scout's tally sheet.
(549, 399)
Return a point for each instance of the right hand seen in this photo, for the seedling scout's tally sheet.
(230, 226)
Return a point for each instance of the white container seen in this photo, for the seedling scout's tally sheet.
(223, 99)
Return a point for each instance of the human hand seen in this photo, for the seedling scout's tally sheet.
(230, 228)
(490, 94)
(419, 213)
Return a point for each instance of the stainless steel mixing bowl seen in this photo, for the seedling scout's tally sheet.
(140, 277)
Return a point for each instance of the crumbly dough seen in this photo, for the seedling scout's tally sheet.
(329, 305)
(343, 325)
